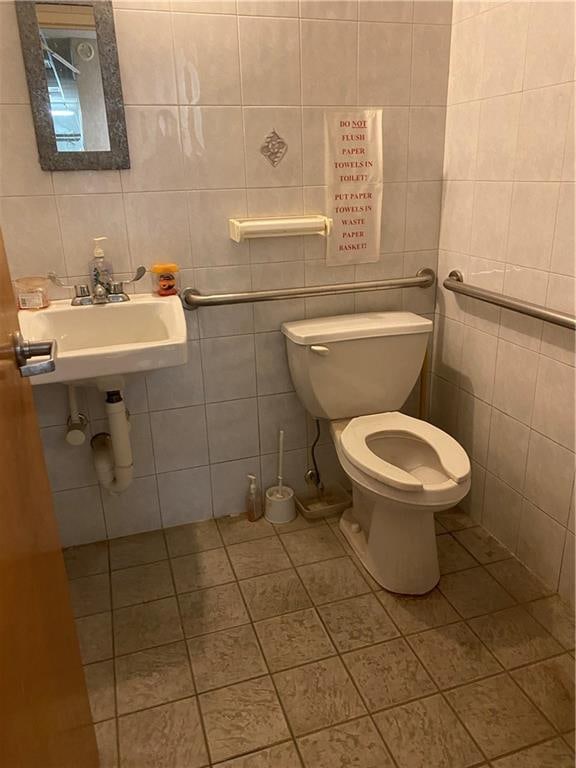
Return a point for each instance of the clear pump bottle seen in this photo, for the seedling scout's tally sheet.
(253, 500)
(100, 268)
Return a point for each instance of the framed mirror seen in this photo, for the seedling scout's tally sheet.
(71, 63)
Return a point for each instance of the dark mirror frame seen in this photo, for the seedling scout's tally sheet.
(118, 155)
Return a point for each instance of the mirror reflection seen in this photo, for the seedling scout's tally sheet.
(74, 78)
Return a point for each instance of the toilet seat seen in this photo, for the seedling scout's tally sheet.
(354, 442)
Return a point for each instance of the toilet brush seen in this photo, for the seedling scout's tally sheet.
(280, 460)
(280, 507)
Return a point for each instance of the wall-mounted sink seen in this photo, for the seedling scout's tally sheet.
(142, 334)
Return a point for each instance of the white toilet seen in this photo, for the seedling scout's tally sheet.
(356, 371)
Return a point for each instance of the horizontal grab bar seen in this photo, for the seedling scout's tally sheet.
(455, 282)
(192, 299)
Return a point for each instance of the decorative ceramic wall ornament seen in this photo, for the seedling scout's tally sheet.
(274, 148)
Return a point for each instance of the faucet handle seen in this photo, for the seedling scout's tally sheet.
(138, 275)
(53, 277)
(81, 290)
(117, 292)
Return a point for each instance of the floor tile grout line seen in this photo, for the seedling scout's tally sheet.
(468, 731)
(358, 691)
(188, 657)
(439, 690)
(506, 673)
(443, 687)
(251, 624)
(430, 696)
(547, 629)
(547, 633)
(271, 676)
(534, 704)
(530, 746)
(555, 729)
(460, 616)
(336, 655)
(534, 662)
(515, 604)
(339, 654)
(464, 620)
(465, 727)
(113, 661)
(210, 586)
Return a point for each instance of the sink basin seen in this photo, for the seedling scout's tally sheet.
(142, 334)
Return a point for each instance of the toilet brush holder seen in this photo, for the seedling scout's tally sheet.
(279, 507)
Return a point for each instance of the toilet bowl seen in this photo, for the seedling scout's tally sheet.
(357, 371)
(402, 470)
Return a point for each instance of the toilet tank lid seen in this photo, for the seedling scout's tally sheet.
(361, 326)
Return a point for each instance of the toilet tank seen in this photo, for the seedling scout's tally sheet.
(353, 365)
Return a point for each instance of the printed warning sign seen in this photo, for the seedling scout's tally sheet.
(353, 145)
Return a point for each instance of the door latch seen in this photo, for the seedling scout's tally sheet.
(25, 350)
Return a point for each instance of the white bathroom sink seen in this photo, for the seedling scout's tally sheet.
(96, 341)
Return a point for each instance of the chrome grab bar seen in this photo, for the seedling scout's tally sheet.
(192, 299)
(455, 282)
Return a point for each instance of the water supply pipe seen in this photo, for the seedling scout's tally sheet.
(77, 422)
(112, 452)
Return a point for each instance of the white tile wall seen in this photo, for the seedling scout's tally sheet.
(508, 224)
(204, 84)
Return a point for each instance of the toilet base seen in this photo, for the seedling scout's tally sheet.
(396, 545)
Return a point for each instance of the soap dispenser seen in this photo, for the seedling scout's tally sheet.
(100, 269)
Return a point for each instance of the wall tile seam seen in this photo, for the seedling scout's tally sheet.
(240, 104)
(475, 14)
(504, 262)
(498, 334)
(187, 190)
(567, 546)
(255, 188)
(246, 189)
(133, 260)
(492, 406)
(358, 23)
(516, 182)
(509, 227)
(567, 510)
(522, 496)
(519, 421)
(522, 482)
(358, 30)
(517, 91)
(466, 319)
(565, 530)
(175, 10)
(81, 487)
(337, 106)
(255, 396)
(202, 465)
(522, 89)
(529, 26)
(301, 96)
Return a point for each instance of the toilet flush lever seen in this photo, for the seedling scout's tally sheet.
(319, 349)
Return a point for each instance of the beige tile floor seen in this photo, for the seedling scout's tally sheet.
(234, 644)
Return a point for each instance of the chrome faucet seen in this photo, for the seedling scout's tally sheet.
(115, 294)
(99, 295)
